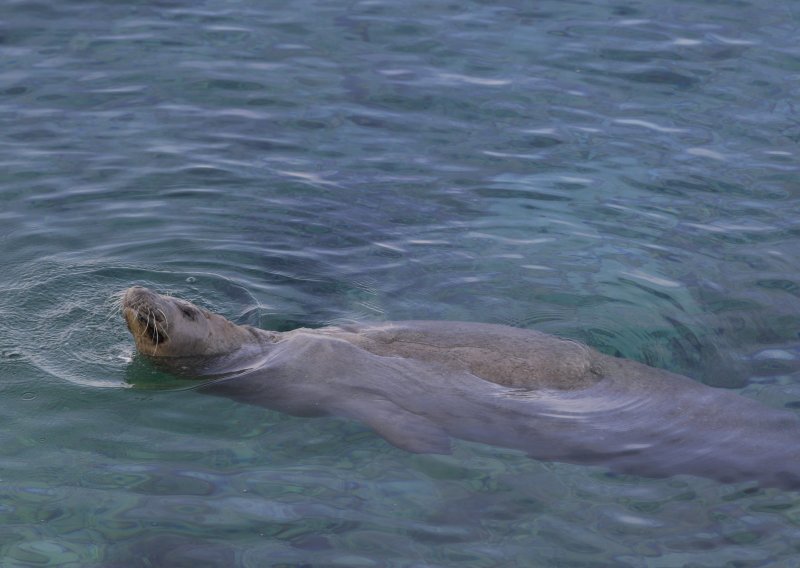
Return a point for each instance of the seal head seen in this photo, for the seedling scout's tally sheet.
(164, 327)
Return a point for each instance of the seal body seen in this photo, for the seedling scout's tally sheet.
(419, 384)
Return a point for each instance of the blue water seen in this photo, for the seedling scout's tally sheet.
(623, 173)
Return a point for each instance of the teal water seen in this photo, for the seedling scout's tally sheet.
(623, 173)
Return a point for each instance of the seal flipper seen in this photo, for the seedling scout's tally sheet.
(401, 428)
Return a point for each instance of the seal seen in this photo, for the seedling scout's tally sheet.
(420, 383)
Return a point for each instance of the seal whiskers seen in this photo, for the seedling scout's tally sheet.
(114, 305)
(154, 330)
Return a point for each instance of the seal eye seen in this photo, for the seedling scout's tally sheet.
(190, 313)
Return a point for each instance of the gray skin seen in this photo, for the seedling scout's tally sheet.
(419, 383)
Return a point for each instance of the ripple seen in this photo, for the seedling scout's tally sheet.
(62, 315)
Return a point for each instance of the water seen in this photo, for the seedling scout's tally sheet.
(623, 173)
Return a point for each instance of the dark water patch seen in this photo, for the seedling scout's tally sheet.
(498, 193)
(662, 77)
(788, 286)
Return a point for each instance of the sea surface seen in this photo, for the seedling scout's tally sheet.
(624, 173)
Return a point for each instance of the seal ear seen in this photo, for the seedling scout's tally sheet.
(403, 429)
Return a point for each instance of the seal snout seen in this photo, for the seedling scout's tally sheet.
(144, 314)
(137, 295)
